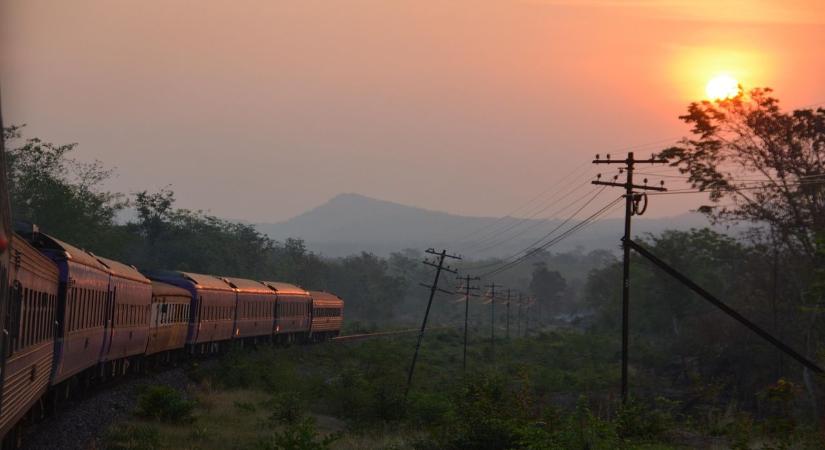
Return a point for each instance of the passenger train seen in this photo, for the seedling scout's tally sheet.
(74, 318)
(71, 318)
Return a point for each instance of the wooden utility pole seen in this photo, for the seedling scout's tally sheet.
(493, 287)
(518, 318)
(439, 266)
(467, 288)
(508, 313)
(633, 201)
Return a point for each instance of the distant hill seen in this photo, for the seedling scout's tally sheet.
(352, 223)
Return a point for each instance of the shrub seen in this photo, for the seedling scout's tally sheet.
(165, 404)
(287, 407)
(299, 436)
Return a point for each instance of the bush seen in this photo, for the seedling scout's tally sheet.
(299, 436)
(165, 404)
(287, 407)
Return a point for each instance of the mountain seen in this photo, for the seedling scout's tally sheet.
(352, 223)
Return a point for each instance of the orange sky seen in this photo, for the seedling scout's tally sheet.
(259, 110)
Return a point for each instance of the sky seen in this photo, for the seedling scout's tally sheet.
(262, 109)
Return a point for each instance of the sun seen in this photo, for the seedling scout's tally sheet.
(722, 86)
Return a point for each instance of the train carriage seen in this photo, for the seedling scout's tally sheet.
(327, 315)
(81, 306)
(212, 308)
(29, 330)
(169, 318)
(256, 308)
(127, 316)
(292, 311)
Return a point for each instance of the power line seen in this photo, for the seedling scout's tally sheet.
(553, 200)
(572, 230)
(509, 215)
(535, 224)
(547, 235)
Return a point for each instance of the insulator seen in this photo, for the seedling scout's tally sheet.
(645, 180)
(598, 176)
(608, 156)
(597, 156)
(621, 170)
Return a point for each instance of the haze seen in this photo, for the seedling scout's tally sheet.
(260, 110)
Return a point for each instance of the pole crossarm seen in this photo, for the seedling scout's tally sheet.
(643, 187)
(725, 308)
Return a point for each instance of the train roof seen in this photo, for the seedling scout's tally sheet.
(286, 288)
(201, 281)
(160, 289)
(244, 285)
(121, 270)
(44, 241)
(321, 298)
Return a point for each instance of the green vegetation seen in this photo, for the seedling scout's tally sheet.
(555, 390)
(698, 378)
(165, 404)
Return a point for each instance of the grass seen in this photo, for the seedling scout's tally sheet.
(554, 390)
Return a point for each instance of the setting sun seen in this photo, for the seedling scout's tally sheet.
(721, 87)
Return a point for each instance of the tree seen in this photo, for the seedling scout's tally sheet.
(548, 286)
(769, 165)
(154, 211)
(63, 196)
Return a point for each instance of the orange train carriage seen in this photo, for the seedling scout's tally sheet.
(292, 313)
(255, 312)
(327, 315)
(168, 318)
(29, 327)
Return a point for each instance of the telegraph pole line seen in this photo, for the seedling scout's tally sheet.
(508, 313)
(492, 287)
(439, 267)
(467, 288)
(633, 200)
(527, 316)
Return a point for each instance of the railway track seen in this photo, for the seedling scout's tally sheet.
(359, 337)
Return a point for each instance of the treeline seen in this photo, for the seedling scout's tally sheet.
(66, 198)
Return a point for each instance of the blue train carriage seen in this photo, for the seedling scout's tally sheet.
(292, 312)
(255, 309)
(83, 293)
(127, 317)
(28, 332)
(212, 308)
(327, 315)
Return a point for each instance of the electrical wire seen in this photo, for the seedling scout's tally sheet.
(572, 230)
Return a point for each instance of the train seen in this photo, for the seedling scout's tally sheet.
(73, 319)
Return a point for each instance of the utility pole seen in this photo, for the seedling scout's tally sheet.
(527, 316)
(439, 266)
(508, 313)
(518, 318)
(633, 201)
(467, 288)
(493, 287)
